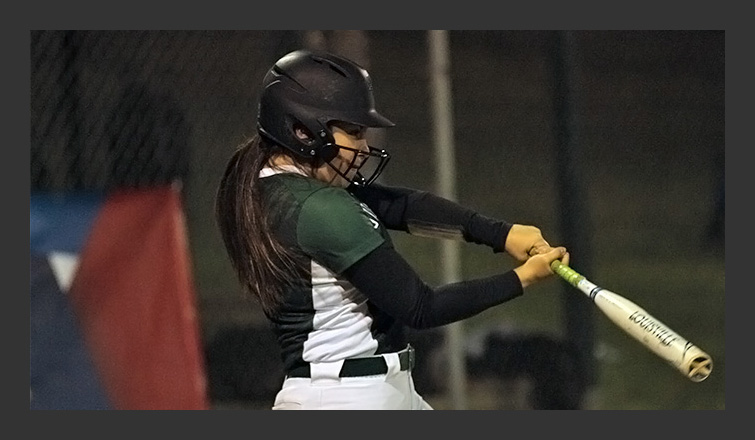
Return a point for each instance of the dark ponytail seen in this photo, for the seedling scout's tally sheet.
(262, 264)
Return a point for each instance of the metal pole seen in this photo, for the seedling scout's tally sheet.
(442, 112)
(573, 210)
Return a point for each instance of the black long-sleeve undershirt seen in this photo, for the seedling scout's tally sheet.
(392, 285)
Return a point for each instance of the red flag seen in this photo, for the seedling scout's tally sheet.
(134, 299)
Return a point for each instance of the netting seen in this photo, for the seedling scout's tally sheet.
(116, 108)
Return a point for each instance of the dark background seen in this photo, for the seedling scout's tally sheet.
(646, 123)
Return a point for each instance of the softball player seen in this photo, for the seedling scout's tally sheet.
(306, 229)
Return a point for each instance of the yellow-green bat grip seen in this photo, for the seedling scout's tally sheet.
(570, 275)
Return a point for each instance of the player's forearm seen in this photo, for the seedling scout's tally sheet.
(393, 286)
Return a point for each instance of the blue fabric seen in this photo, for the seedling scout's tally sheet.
(61, 373)
(61, 222)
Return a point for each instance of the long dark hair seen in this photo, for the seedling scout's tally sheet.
(263, 265)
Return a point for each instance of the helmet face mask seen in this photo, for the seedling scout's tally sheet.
(372, 164)
(310, 90)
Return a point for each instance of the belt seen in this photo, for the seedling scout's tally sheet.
(367, 366)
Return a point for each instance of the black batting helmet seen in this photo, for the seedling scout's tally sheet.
(311, 89)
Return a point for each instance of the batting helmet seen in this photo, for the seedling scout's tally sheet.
(310, 89)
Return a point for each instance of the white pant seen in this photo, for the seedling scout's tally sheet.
(325, 390)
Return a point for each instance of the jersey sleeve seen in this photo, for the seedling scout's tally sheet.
(336, 230)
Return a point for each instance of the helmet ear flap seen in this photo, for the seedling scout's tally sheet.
(325, 144)
(320, 146)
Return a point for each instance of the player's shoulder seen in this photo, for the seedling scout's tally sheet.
(313, 198)
(293, 182)
(303, 187)
(329, 202)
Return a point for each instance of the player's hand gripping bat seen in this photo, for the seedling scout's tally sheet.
(694, 363)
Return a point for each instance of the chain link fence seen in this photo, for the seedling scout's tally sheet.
(115, 108)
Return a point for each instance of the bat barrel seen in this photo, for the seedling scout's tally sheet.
(655, 335)
(694, 363)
